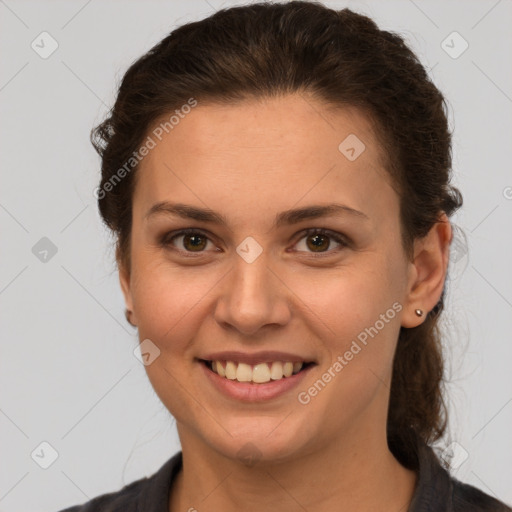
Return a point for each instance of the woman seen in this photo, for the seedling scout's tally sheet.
(277, 177)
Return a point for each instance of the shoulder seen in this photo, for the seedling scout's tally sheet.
(148, 493)
(438, 490)
(124, 499)
(467, 498)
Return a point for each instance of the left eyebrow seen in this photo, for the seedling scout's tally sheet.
(288, 217)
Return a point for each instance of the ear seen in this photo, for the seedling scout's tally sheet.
(125, 282)
(427, 271)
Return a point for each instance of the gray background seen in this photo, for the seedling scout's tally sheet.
(68, 373)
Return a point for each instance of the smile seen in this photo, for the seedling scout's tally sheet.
(260, 373)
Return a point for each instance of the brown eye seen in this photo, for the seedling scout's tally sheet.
(192, 241)
(320, 240)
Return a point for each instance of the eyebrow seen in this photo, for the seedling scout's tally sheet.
(288, 217)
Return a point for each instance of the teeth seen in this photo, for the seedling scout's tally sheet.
(243, 373)
(259, 373)
(219, 368)
(287, 369)
(276, 372)
(231, 370)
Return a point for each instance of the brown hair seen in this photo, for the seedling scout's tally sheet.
(342, 58)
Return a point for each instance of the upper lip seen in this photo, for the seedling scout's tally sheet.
(256, 357)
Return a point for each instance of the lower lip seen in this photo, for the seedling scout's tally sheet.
(249, 392)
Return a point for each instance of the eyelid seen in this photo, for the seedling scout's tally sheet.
(339, 238)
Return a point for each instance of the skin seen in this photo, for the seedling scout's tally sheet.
(250, 161)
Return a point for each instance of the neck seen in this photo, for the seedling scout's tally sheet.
(362, 475)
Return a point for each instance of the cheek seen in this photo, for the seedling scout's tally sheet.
(358, 320)
(168, 301)
(170, 306)
(347, 300)
(356, 315)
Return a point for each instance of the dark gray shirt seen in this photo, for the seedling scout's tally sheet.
(436, 491)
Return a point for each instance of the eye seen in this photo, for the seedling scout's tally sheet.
(316, 241)
(319, 240)
(191, 239)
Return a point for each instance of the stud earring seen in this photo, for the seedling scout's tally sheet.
(419, 312)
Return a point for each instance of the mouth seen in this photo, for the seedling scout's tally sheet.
(260, 373)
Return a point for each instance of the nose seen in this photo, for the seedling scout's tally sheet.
(251, 297)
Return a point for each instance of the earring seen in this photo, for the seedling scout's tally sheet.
(419, 312)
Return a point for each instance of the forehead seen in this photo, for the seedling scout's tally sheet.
(276, 150)
(296, 123)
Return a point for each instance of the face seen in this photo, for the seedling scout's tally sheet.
(261, 277)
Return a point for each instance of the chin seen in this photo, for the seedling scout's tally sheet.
(260, 440)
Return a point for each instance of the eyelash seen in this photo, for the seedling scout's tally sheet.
(167, 239)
